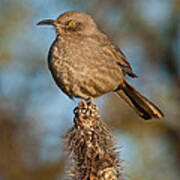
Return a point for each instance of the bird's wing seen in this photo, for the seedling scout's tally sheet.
(117, 55)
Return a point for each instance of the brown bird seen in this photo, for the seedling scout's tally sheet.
(86, 64)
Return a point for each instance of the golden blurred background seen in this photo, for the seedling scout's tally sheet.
(35, 114)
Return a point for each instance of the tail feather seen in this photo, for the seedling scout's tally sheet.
(143, 107)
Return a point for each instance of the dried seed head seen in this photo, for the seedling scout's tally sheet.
(91, 147)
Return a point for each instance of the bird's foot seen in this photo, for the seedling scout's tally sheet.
(89, 100)
(86, 110)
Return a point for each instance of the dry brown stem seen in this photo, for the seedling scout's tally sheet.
(91, 147)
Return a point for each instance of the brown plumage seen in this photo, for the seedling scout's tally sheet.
(86, 64)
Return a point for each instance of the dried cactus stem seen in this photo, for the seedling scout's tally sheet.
(90, 146)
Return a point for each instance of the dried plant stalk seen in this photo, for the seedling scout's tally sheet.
(91, 147)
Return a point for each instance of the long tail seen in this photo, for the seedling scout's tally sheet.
(143, 107)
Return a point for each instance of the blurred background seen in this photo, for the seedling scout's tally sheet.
(35, 114)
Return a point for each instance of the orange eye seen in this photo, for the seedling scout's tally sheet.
(72, 23)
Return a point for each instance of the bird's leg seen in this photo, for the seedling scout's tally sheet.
(86, 107)
(89, 100)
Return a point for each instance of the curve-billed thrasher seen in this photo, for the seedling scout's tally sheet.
(86, 64)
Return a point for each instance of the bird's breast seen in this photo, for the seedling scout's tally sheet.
(80, 69)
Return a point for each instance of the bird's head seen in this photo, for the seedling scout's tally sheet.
(72, 22)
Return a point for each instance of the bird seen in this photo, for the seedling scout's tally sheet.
(86, 64)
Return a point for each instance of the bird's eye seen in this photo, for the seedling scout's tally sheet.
(71, 23)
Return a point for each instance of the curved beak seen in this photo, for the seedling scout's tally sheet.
(46, 22)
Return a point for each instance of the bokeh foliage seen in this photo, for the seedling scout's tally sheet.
(34, 113)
